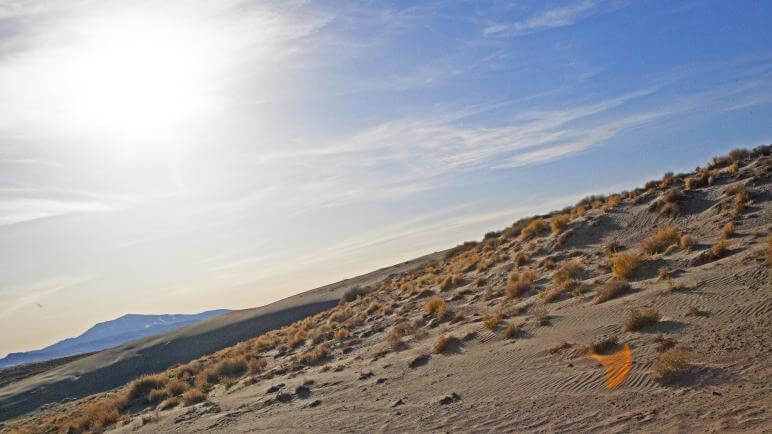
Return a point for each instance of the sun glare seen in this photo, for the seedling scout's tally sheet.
(134, 75)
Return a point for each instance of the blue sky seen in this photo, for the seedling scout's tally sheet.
(197, 155)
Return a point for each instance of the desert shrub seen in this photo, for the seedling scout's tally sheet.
(557, 289)
(559, 223)
(641, 318)
(512, 330)
(661, 240)
(491, 321)
(734, 168)
(142, 386)
(464, 262)
(315, 355)
(687, 241)
(407, 287)
(728, 230)
(232, 367)
(443, 342)
(718, 249)
(613, 200)
(541, 315)
(612, 289)
(664, 274)
(737, 155)
(568, 271)
(520, 259)
(517, 283)
(297, 338)
(547, 263)
(670, 209)
(579, 211)
(623, 265)
(602, 346)
(95, 416)
(355, 292)
(535, 228)
(373, 307)
(193, 396)
(670, 365)
(157, 395)
(397, 332)
(256, 366)
(436, 306)
(176, 387)
(342, 333)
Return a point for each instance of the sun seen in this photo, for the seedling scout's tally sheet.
(134, 75)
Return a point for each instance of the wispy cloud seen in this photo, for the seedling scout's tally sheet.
(548, 19)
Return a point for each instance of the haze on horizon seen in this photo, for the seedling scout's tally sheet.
(225, 154)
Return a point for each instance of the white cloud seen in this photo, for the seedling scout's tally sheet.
(548, 19)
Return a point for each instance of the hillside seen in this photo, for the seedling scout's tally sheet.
(109, 334)
(639, 311)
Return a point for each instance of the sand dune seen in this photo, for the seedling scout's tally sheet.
(519, 357)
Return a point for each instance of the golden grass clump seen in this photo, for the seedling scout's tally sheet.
(718, 249)
(541, 315)
(315, 355)
(559, 223)
(664, 274)
(512, 330)
(687, 241)
(446, 283)
(96, 415)
(142, 386)
(670, 365)
(728, 230)
(661, 240)
(557, 290)
(641, 318)
(176, 387)
(256, 366)
(396, 334)
(520, 259)
(192, 396)
(612, 289)
(734, 168)
(342, 333)
(613, 200)
(547, 263)
(579, 211)
(623, 265)
(568, 271)
(517, 283)
(443, 342)
(491, 321)
(534, 229)
(373, 307)
(436, 306)
(169, 403)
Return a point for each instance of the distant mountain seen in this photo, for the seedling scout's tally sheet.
(109, 334)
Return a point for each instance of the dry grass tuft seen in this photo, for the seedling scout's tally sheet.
(95, 416)
(436, 306)
(602, 346)
(443, 342)
(142, 386)
(612, 289)
(342, 333)
(520, 259)
(169, 403)
(513, 330)
(687, 241)
(718, 249)
(541, 315)
(534, 229)
(623, 265)
(568, 271)
(664, 274)
(661, 240)
(315, 355)
(727, 231)
(641, 318)
(396, 334)
(547, 263)
(517, 283)
(192, 396)
(670, 365)
(492, 321)
(559, 223)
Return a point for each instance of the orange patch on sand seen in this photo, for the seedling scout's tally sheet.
(617, 365)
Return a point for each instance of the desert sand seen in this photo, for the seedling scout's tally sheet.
(517, 355)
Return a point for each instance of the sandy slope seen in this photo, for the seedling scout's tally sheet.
(117, 366)
(540, 379)
(526, 383)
